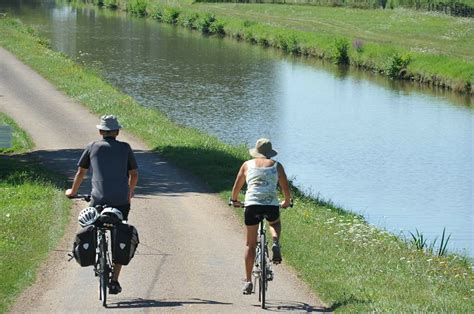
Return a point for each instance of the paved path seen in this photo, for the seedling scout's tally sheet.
(191, 252)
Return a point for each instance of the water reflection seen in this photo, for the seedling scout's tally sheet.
(399, 155)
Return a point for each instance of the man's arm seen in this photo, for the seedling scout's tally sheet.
(132, 183)
(80, 174)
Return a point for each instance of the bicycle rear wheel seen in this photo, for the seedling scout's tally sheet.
(103, 271)
(263, 275)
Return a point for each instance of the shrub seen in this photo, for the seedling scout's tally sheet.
(205, 22)
(189, 20)
(468, 87)
(397, 65)
(341, 51)
(110, 3)
(156, 13)
(170, 15)
(280, 41)
(248, 35)
(292, 45)
(217, 27)
(137, 7)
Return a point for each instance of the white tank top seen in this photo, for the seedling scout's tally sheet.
(261, 185)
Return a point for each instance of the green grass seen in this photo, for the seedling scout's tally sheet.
(362, 269)
(438, 5)
(33, 211)
(441, 47)
(351, 265)
(21, 142)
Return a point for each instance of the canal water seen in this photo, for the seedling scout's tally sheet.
(399, 155)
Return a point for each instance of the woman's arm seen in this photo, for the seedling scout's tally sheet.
(239, 182)
(284, 185)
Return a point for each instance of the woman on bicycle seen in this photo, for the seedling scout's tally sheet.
(262, 175)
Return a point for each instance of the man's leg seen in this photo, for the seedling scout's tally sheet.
(114, 286)
(116, 273)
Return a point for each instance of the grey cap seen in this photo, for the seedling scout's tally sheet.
(108, 123)
(263, 148)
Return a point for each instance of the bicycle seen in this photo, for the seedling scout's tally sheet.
(262, 271)
(103, 266)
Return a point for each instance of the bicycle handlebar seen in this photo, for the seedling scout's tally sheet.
(85, 197)
(231, 203)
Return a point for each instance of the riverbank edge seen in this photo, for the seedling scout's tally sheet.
(315, 242)
(389, 60)
(30, 194)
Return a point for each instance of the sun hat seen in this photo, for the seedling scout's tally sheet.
(263, 148)
(108, 123)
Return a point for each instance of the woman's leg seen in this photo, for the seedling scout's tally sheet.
(275, 229)
(250, 250)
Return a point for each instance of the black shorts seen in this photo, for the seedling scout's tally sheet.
(269, 212)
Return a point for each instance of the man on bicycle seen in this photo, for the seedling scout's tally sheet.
(114, 175)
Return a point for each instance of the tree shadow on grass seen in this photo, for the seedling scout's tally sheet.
(16, 170)
(288, 306)
(348, 300)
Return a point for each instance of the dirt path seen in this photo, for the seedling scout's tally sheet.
(191, 252)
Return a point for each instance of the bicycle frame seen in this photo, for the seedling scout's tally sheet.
(262, 267)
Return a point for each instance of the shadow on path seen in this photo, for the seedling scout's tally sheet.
(215, 168)
(156, 176)
(293, 306)
(146, 303)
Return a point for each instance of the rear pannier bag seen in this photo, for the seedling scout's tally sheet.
(124, 243)
(85, 245)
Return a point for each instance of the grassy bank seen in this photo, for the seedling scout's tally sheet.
(351, 265)
(426, 48)
(33, 212)
(452, 7)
